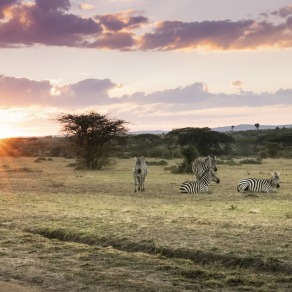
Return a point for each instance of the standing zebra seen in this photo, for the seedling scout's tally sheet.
(259, 184)
(199, 166)
(139, 172)
(201, 185)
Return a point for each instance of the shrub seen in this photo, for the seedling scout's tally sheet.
(251, 161)
(173, 169)
(160, 162)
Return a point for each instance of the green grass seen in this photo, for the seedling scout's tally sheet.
(68, 230)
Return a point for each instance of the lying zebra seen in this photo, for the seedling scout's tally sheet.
(199, 166)
(201, 185)
(259, 184)
(139, 173)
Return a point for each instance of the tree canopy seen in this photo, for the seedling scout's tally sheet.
(204, 139)
(198, 141)
(94, 136)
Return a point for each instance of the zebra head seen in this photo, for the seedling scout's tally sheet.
(138, 163)
(212, 162)
(213, 177)
(275, 179)
(209, 176)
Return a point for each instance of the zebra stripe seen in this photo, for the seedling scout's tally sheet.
(201, 185)
(199, 166)
(139, 172)
(259, 185)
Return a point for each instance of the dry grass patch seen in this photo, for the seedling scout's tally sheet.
(91, 228)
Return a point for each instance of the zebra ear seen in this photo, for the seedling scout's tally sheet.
(275, 173)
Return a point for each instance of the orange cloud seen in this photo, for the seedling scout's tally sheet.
(220, 35)
(86, 6)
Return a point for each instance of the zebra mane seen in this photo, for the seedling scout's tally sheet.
(210, 157)
(206, 172)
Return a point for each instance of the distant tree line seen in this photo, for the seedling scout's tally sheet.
(96, 139)
(263, 143)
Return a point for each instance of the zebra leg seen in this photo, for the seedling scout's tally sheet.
(135, 182)
(139, 183)
(242, 188)
(142, 184)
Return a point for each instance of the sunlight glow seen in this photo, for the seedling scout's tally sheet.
(7, 132)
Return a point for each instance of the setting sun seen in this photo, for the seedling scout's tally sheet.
(6, 132)
(10, 119)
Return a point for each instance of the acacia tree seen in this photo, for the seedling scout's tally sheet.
(94, 137)
(257, 125)
(199, 141)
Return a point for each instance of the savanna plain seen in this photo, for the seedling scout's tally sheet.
(63, 229)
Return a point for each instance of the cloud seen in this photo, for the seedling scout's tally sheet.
(194, 93)
(45, 22)
(238, 84)
(22, 91)
(4, 4)
(86, 6)
(26, 92)
(121, 21)
(120, 40)
(284, 12)
(219, 35)
(94, 92)
(32, 103)
(49, 22)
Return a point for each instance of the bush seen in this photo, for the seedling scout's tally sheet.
(160, 162)
(251, 161)
(182, 167)
(173, 169)
(263, 154)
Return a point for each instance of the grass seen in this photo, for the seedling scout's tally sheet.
(68, 230)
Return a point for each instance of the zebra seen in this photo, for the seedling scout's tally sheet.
(259, 184)
(201, 185)
(199, 166)
(139, 172)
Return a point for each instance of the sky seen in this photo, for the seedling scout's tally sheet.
(157, 64)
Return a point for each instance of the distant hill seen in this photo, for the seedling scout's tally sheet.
(241, 127)
(246, 127)
(155, 132)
